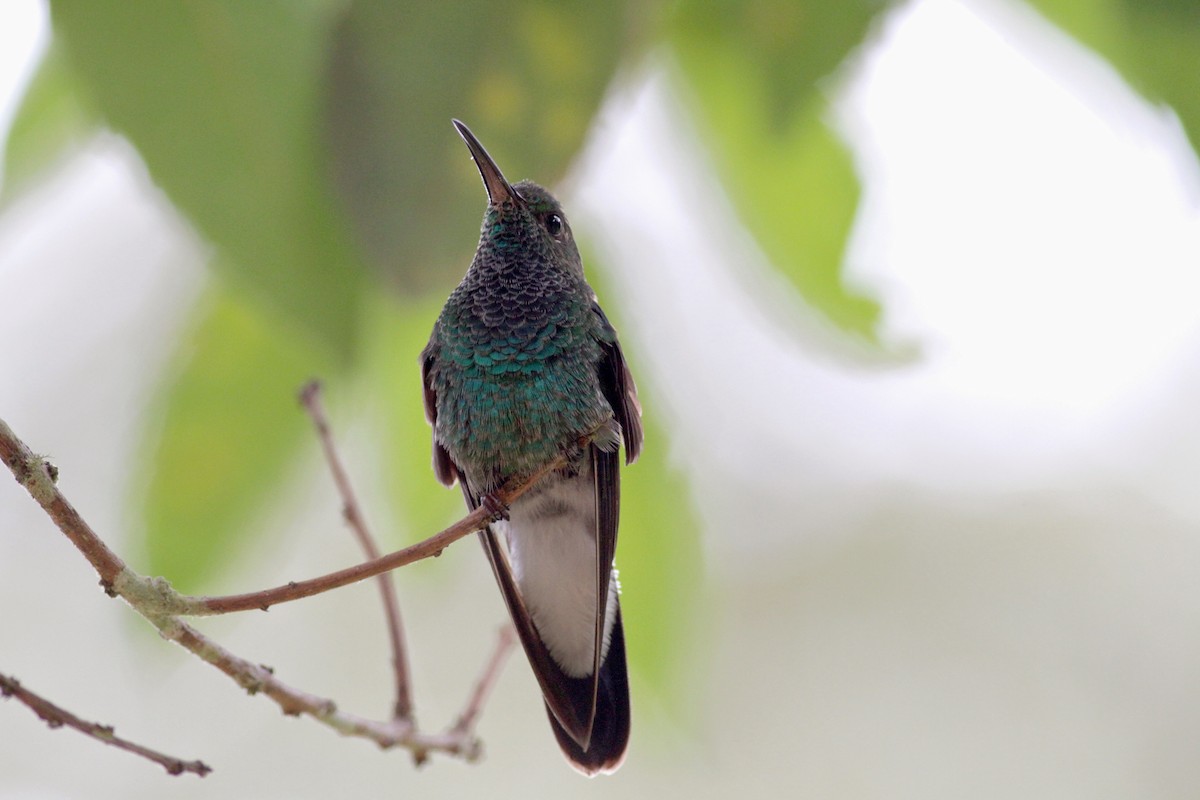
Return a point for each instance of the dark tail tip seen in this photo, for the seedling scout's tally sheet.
(610, 731)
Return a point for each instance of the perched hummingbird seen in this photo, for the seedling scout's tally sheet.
(522, 364)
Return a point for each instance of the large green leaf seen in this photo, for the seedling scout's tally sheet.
(50, 119)
(229, 425)
(526, 76)
(222, 100)
(752, 72)
(1155, 44)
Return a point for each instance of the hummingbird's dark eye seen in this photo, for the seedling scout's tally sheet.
(554, 225)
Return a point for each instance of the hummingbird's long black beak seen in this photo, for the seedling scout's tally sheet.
(498, 188)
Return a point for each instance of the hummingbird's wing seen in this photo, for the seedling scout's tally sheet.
(616, 382)
(610, 688)
(618, 388)
(443, 466)
(606, 477)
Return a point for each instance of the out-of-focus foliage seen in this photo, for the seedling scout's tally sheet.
(229, 427)
(396, 333)
(1154, 43)
(754, 71)
(52, 119)
(661, 570)
(527, 77)
(309, 143)
(223, 100)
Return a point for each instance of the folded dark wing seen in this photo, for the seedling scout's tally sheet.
(443, 467)
(616, 383)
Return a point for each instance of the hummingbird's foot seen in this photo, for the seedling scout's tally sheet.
(608, 436)
(497, 509)
(573, 452)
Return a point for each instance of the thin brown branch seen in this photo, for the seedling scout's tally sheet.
(310, 398)
(433, 546)
(39, 478)
(57, 717)
(259, 679)
(487, 680)
(296, 590)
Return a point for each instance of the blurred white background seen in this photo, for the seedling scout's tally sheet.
(967, 573)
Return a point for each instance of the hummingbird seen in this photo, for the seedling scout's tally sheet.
(523, 366)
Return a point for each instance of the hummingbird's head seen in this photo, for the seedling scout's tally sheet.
(523, 220)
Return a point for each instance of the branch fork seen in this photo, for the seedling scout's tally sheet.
(155, 600)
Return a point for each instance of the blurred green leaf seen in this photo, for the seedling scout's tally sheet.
(662, 573)
(752, 70)
(527, 78)
(222, 100)
(396, 333)
(1155, 44)
(51, 118)
(230, 424)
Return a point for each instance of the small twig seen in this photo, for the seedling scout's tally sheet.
(487, 680)
(310, 398)
(477, 520)
(259, 679)
(56, 717)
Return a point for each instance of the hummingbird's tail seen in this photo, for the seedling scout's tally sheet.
(610, 730)
(552, 559)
